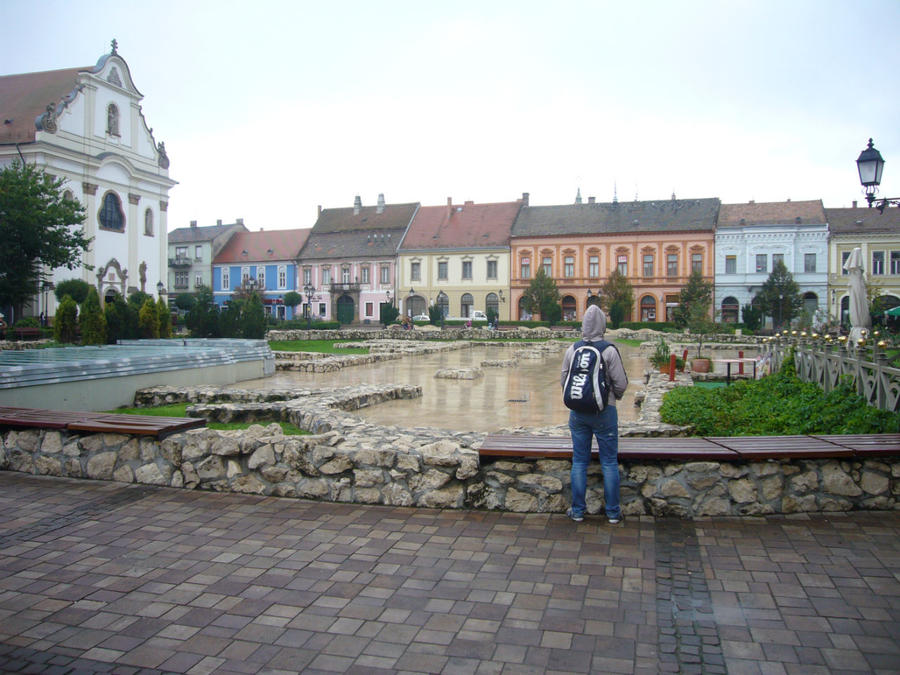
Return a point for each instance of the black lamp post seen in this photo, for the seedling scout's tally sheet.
(870, 166)
(160, 289)
(310, 290)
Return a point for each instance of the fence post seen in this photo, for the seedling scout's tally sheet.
(741, 364)
(671, 367)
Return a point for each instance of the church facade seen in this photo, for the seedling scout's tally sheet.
(85, 125)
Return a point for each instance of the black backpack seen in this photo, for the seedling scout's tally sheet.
(586, 389)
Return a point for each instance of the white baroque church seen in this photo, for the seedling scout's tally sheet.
(85, 125)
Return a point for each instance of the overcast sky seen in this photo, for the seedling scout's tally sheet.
(268, 109)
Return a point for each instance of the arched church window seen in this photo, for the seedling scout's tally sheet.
(112, 120)
(111, 215)
(148, 222)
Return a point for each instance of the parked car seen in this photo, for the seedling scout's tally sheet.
(421, 317)
(478, 315)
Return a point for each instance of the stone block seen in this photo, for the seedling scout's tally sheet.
(742, 490)
(520, 502)
(836, 481)
(211, 469)
(397, 495)
(51, 444)
(130, 451)
(874, 483)
(49, 466)
(337, 465)
(101, 466)
(123, 474)
(262, 456)
(540, 482)
(248, 484)
(446, 498)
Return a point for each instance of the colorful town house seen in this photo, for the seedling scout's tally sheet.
(655, 244)
(348, 264)
(85, 126)
(878, 235)
(751, 238)
(457, 258)
(192, 251)
(264, 261)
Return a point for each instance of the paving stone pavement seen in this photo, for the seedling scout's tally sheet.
(99, 577)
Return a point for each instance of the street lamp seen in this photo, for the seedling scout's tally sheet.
(310, 290)
(870, 166)
(47, 287)
(780, 310)
(160, 289)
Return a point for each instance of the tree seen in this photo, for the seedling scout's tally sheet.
(253, 320)
(751, 317)
(617, 296)
(292, 299)
(184, 301)
(37, 230)
(542, 296)
(779, 296)
(74, 288)
(116, 313)
(230, 318)
(65, 323)
(203, 318)
(164, 317)
(388, 313)
(696, 293)
(93, 320)
(434, 315)
(148, 320)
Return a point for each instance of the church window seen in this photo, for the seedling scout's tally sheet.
(111, 215)
(148, 222)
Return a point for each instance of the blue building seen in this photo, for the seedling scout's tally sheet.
(264, 261)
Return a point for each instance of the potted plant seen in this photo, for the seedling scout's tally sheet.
(660, 356)
(700, 325)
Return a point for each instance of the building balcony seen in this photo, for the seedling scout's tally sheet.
(340, 287)
(180, 261)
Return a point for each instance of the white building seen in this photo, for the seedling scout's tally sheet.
(751, 238)
(85, 125)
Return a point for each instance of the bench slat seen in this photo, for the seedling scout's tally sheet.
(146, 425)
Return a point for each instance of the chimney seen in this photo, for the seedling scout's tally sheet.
(525, 199)
(854, 203)
(449, 201)
(319, 212)
(357, 205)
(380, 207)
(468, 202)
(239, 221)
(219, 221)
(194, 222)
(592, 200)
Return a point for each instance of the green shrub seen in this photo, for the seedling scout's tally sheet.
(28, 322)
(93, 320)
(65, 322)
(148, 319)
(665, 326)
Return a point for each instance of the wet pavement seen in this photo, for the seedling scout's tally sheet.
(108, 577)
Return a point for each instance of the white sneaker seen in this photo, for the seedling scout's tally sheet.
(571, 515)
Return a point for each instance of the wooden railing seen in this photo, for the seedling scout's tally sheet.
(825, 365)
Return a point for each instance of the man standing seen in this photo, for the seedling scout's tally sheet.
(602, 425)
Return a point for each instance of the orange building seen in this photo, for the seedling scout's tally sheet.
(656, 244)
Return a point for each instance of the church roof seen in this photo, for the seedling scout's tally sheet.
(263, 246)
(466, 225)
(25, 97)
(664, 215)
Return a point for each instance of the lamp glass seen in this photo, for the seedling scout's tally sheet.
(870, 165)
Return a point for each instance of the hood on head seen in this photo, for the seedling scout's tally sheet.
(593, 325)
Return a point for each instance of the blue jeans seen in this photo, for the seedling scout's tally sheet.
(604, 426)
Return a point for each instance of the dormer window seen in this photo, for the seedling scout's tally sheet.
(112, 120)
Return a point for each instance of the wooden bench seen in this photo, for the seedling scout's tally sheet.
(26, 333)
(734, 448)
(141, 425)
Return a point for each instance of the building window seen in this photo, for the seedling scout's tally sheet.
(697, 263)
(198, 252)
(385, 274)
(492, 304)
(112, 120)
(326, 276)
(895, 262)
(467, 269)
(648, 265)
(181, 279)
(415, 271)
(322, 309)
(594, 266)
(282, 276)
(730, 308)
(569, 266)
(762, 262)
(672, 265)
(730, 264)
(111, 215)
(245, 275)
(465, 305)
(877, 262)
(364, 274)
(180, 252)
(226, 280)
(845, 255)
(345, 275)
(622, 265)
(525, 268)
(261, 278)
(442, 270)
(547, 265)
(777, 258)
(148, 222)
(491, 269)
(370, 309)
(648, 308)
(198, 279)
(809, 262)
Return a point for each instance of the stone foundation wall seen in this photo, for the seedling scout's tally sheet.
(417, 470)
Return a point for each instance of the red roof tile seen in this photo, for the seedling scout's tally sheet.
(467, 225)
(283, 244)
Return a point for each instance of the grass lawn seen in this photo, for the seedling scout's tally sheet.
(321, 346)
(179, 410)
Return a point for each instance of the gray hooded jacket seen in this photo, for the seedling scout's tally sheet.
(593, 326)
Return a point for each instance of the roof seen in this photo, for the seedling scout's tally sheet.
(772, 213)
(358, 233)
(25, 97)
(193, 235)
(262, 246)
(467, 225)
(863, 221)
(667, 215)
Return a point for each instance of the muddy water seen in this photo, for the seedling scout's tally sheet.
(527, 395)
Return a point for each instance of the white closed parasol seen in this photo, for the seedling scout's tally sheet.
(860, 321)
